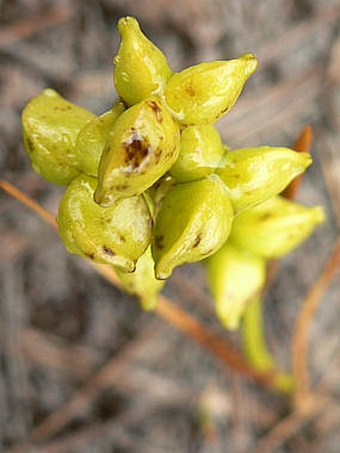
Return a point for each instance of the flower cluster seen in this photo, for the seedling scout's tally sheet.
(151, 185)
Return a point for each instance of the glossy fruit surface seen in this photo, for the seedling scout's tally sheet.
(50, 128)
(275, 227)
(92, 139)
(118, 235)
(193, 222)
(143, 144)
(142, 282)
(234, 276)
(253, 175)
(200, 153)
(141, 69)
(203, 93)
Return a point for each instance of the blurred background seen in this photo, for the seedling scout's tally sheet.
(60, 322)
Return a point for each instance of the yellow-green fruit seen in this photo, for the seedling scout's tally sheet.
(275, 227)
(202, 94)
(253, 175)
(141, 69)
(200, 153)
(193, 222)
(143, 145)
(92, 138)
(157, 192)
(118, 235)
(234, 277)
(50, 128)
(142, 282)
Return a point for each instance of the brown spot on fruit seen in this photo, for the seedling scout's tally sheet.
(121, 187)
(107, 251)
(265, 216)
(197, 240)
(223, 111)
(137, 149)
(30, 145)
(153, 105)
(159, 241)
(157, 155)
(190, 90)
(89, 255)
(63, 108)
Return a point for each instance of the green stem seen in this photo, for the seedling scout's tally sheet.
(255, 347)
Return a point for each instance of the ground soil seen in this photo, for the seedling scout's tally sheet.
(60, 322)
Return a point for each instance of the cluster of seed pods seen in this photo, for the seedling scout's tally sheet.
(151, 186)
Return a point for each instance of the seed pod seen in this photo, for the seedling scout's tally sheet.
(141, 69)
(143, 145)
(193, 222)
(118, 235)
(142, 282)
(92, 138)
(50, 128)
(253, 175)
(234, 277)
(200, 153)
(202, 94)
(275, 227)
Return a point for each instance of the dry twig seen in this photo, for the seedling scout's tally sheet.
(82, 399)
(303, 324)
(290, 425)
(303, 144)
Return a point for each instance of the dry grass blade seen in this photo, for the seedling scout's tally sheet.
(290, 425)
(67, 360)
(115, 431)
(294, 37)
(82, 399)
(303, 324)
(28, 27)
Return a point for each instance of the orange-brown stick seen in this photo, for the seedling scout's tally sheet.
(303, 144)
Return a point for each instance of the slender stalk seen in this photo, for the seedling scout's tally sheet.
(255, 346)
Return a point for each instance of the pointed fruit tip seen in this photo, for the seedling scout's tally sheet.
(319, 214)
(101, 199)
(229, 322)
(251, 62)
(127, 23)
(307, 159)
(161, 273)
